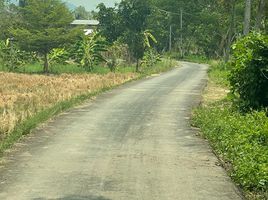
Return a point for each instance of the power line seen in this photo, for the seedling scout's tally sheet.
(173, 13)
(167, 12)
(170, 28)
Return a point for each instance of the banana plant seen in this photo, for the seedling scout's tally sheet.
(151, 57)
(89, 51)
(58, 55)
(11, 56)
(148, 37)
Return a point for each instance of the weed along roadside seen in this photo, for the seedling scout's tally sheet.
(238, 139)
(58, 54)
(30, 100)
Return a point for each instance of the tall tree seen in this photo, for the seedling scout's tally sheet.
(2, 3)
(2, 14)
(260, 14)
(8, 18)
(45, 26)
(22, 3)
(247, 18)
(134, 15)
(81, 13)
(110, 23)
(232, 4)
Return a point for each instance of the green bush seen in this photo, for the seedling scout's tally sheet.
(88, 51)
(117, 54)
(218, 73)
(151, 57)
(249, 74)
(241, 140)
(163, 65)
(58, 55)
(11, 57)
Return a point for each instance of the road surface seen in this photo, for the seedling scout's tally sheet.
(132, 143)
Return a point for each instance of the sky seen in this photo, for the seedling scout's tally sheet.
(91, 4)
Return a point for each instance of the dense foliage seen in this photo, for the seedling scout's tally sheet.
(137, 33)
(128, 23)
(240, 140)
(44, 27)
(249, 75)
(11, 56)
(205, 27)
(208, 26)
(88, 51)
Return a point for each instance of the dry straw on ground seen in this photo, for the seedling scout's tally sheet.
(213, 93)
(22, 96)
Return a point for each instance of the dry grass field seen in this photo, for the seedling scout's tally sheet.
(22, 96)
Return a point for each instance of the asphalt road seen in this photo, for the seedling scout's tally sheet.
(132, 143)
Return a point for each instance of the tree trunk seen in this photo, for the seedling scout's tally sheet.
(230, 32)
(137, 65)
(221, 48)
(46, 64)
(247, 17)
(260, 14)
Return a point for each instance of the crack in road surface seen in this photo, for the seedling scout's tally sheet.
(132, 143)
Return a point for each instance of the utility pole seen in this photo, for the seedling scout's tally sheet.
(181, 40)
(170, 28)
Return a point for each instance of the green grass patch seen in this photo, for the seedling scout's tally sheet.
(126, 69)
(37, 68)
(197, 59)
(218, 73)
(190, 58)
(239, 139)
(162, 66)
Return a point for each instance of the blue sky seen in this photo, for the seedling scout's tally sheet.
(91, 4)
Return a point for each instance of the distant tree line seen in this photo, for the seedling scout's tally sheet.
(187, 27)
(205, 27)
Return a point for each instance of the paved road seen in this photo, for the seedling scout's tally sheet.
(132, 143)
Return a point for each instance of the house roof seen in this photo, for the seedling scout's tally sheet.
(86, 22)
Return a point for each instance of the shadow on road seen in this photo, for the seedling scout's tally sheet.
(75, 197)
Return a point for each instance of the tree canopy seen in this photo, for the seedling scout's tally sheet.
(45, 25)
(81, 13)
(205, 27)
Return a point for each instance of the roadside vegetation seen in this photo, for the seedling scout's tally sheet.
(48, 65)
(233, 117)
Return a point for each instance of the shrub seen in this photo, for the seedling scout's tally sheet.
(249, 74)
(150, 58)
(240, 139)
(58, 55)
(218, 73)
(117, 54)
(12, 57)
(88, 51)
